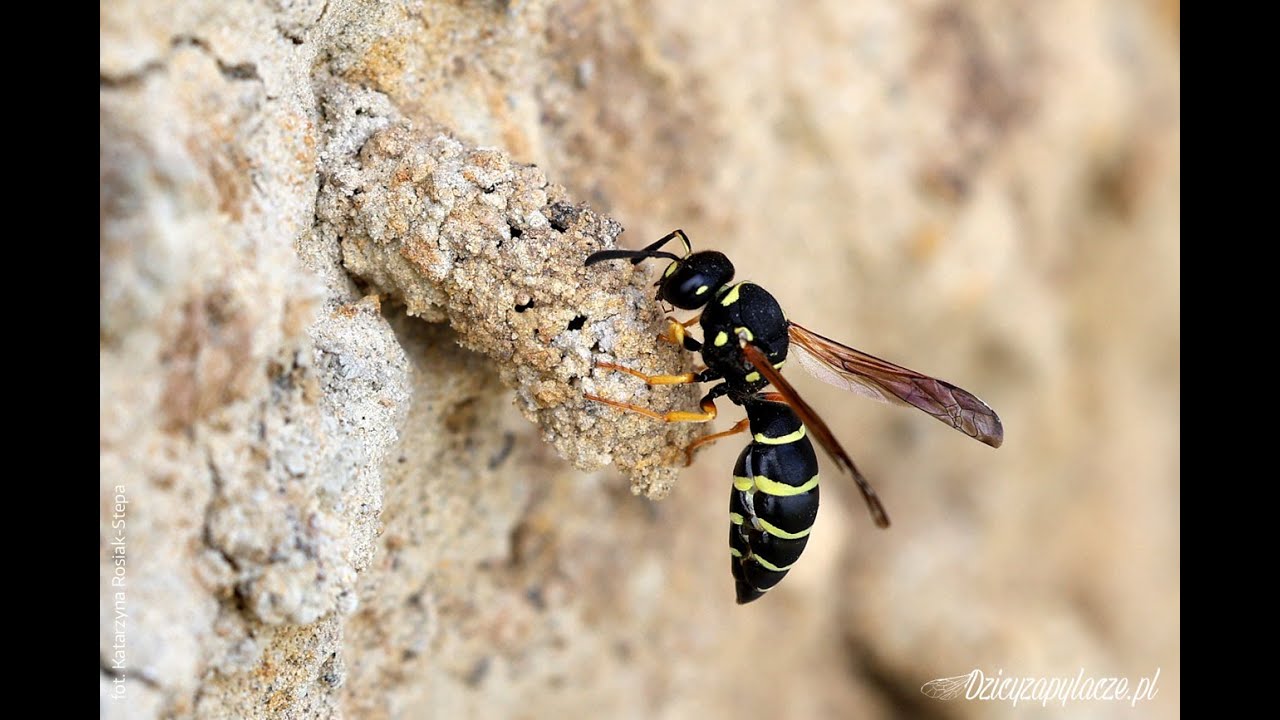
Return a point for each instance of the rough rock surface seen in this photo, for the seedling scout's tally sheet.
(466, 236)
(321, 491)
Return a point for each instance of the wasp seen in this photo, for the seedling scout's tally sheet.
(746, 340)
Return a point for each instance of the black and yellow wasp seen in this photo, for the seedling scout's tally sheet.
(746, 340)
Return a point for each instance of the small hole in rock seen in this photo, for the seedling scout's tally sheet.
(577, 322)
(515, 231)
(524, 305)
(561, 216)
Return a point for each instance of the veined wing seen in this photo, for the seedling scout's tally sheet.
(818, 428)
(869, 376)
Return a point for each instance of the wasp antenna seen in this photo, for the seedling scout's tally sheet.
(634, 255)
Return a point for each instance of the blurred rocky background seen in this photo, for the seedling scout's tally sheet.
(332, 509)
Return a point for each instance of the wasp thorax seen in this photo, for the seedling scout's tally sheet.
(693, 281)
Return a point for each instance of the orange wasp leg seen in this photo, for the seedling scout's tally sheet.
(676, 333)
(706, 412)
(681, 379)
(741, 426)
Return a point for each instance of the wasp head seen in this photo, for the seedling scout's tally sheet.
(691, 282)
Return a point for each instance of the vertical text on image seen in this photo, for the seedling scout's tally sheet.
(115, 664)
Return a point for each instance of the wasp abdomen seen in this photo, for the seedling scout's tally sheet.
(774, 499)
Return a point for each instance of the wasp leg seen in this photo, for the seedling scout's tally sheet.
(676, 334)
(741, 426)
(706, 412)
(681, 379)
(701, 376)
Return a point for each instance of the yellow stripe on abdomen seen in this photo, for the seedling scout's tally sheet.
(778, 532)
(770, 566)
(784, 440)
(777, 489)
(769, 486)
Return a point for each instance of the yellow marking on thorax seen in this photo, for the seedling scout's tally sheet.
(784, 440)
(671, 269)
(736, 518)
(744, 333)
(731, 297)
(702, 290)
(754, 375)
(743, 484)
(735, 552)
(722, 338)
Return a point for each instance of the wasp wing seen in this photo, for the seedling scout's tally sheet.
(869, 376)
(819, 429)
